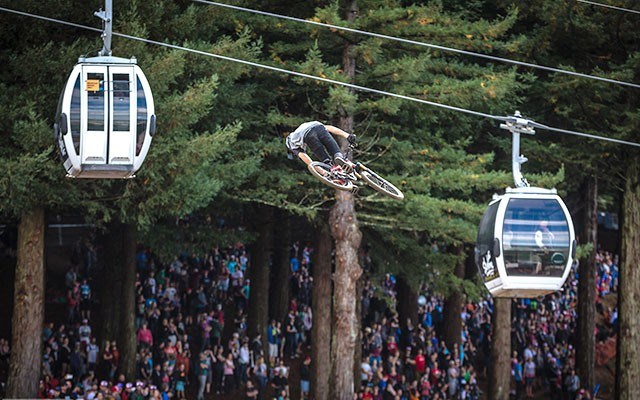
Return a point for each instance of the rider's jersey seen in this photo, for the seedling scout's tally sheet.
(295, 140)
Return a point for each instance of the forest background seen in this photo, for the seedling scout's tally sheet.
(219, 149)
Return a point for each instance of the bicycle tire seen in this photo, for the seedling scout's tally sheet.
(378, 183)
(327, 180)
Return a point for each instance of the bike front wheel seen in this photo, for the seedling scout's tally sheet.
(322, 171)
(380, 184)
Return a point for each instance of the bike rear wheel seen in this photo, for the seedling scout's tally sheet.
(328, 178)
(380, 184)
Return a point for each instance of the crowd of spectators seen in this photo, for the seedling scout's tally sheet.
(543, 333)
(412, 362)
(191, 333)
(192, 342)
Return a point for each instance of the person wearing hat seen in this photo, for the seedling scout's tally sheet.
(134, 392)
(279, 381)
(84, 331)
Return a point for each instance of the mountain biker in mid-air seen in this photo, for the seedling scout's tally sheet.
(317, 137)
(335, 170)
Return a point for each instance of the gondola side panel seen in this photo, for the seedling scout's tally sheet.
(145, 126)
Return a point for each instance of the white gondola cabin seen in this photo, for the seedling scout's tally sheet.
(526, 243)
(105, 118)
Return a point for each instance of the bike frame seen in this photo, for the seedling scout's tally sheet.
(360, 173)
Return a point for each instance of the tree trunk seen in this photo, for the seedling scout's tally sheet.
(282, 269)
(127, 300)
(586, 346)
(321, 328)
(628, 367)
(407, 304)
(452, 320)
(28, 309)
(500, 368)
(259, 290)
(347, 238)
(111, 284)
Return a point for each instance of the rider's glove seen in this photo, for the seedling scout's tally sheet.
(352, 139)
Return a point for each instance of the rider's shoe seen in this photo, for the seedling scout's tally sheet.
(346, 165)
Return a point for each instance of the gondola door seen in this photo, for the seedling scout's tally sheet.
(94, 95)
(122, 115)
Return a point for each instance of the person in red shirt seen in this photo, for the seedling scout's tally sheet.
(184, 358)
(392, 346)
(420, 362)
(435, 375)
(367, 395)
(49, 383)
(425, 385)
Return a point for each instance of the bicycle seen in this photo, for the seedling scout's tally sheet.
(348, 182)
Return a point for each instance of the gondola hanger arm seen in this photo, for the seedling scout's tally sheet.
(517, 124)
(107, 22)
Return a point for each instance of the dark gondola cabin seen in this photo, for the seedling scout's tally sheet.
(105, 118)
(526, 243)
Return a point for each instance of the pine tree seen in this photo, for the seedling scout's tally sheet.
(186, 167)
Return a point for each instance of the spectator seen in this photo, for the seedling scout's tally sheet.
(305, 376)
(85, 300)
(244, 358)
(273, 337)
(517, 373)
(572, 384)
(84, 332)
(229, 371)
(181, 380)
(203, 371)
(144, 336)
(529, 375)
(279, 382)
(261, 373)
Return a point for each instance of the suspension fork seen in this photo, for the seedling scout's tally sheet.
(359, 168)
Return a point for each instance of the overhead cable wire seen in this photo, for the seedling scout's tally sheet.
(423, 44)
(594, 3)
(269, 67)
(318, 78)
(582, 134)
